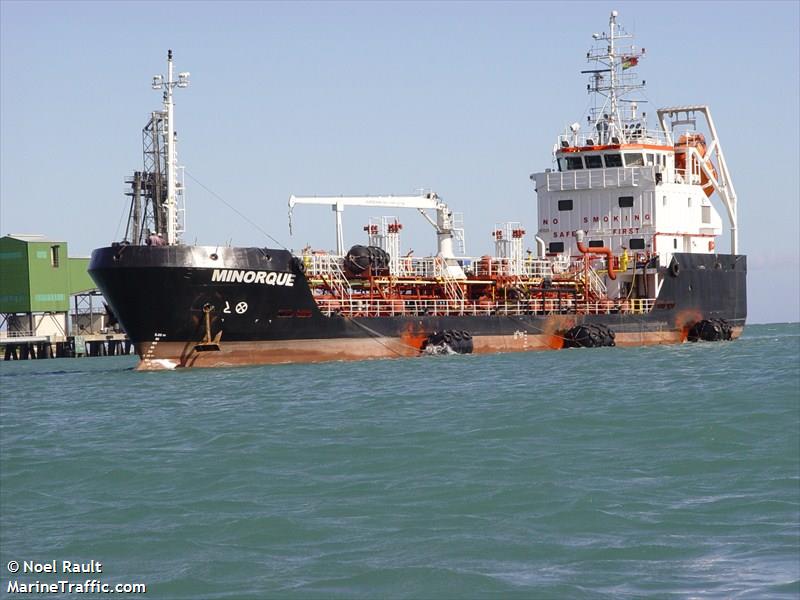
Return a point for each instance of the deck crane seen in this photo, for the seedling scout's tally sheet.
(422, 202)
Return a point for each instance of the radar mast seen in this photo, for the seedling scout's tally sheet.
(613, 117)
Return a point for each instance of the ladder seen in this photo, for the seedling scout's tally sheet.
(596, 285)
(336, 279)
(452, 288)
(458, 233)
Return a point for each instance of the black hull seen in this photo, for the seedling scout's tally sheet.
(159, 293)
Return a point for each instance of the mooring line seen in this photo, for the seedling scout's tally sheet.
(234, 209)
(378, 335)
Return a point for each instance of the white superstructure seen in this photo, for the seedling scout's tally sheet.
(632, 189)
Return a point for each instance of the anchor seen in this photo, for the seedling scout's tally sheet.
(208, 345)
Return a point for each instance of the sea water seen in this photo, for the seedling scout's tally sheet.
(590, 473)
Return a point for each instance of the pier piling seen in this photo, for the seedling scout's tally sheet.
(69, 347)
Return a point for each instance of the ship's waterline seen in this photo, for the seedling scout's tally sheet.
(171, 355)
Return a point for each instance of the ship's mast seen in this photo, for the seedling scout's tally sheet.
(612, 21)
(170, 203)
(170, 109)
(613, 81)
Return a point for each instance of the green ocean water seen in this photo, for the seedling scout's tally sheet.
(668, 472)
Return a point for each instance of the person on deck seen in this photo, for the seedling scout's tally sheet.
(623, 260)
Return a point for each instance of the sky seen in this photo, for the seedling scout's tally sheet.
(465, 99)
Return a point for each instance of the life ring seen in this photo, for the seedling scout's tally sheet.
(675, 268)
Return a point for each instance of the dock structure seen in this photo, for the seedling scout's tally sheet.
(38, 347)
(39, 284)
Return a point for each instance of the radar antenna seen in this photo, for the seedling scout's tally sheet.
(615, 119)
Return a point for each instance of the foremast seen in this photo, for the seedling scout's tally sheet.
(170, 203)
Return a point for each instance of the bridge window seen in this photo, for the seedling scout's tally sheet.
(634, 160)
(596, 243)
(594, 161)
(651, 159)
(613, 160)
(574, 163)
(556, 247)
(565, 205)
(636, 243)
(625, 201)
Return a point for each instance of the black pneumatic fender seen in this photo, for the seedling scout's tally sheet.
(444, 342)
(711, 330)
(589, 336)
(357, 260)
(456, 342)
(360, 259)
(466, 343)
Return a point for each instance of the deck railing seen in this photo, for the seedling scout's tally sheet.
(15, 333)
(354, 307)
(633, 136)
(329, 267)
(586, 179)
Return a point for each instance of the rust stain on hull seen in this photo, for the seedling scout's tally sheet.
(684, 321)
(168, 355)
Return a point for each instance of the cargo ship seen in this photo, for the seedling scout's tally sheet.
(625, 253)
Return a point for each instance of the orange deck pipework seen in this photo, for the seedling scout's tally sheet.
(607, 251)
